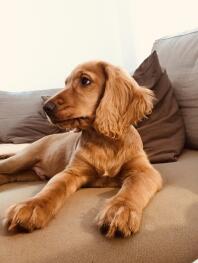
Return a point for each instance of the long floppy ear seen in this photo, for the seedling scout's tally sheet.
(124, 103)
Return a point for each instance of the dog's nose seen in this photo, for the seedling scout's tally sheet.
(49, 107)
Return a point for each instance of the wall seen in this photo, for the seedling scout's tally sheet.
(154, 19)
(42, 40)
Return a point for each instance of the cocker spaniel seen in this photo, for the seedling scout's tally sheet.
(102, 103)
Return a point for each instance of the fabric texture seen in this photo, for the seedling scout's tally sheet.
(179, 56)
(168, 232)
(163, 132)
(22, 118)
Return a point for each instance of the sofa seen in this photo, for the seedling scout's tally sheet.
(169, 231)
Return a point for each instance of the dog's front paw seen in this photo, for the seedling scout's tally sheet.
(26, 216)
(119, 219)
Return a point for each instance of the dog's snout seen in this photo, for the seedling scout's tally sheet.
(49, 107)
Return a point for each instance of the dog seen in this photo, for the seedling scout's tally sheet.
(100, 105)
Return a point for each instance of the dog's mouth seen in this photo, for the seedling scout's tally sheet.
(68, 124)
(70, 120)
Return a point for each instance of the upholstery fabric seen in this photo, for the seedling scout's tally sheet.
(163, 132)
(179, 56)
(168, 232)
(22, 118)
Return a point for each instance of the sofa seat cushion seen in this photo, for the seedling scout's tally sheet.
(168, 232)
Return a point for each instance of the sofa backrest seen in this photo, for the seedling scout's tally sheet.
(178, 55)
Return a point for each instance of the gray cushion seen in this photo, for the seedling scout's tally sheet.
(179, 56)
(22, 118)
(168, 232)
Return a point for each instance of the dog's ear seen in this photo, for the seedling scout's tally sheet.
(124, 103)
(142, 102)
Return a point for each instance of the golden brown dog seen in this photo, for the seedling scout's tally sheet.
(102, 102)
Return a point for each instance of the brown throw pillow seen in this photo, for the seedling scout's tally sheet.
(22, 118)
(163, 132)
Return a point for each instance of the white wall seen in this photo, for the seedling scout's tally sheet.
(42, 40)
(154, 19)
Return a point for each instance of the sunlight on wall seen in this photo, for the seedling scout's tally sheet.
(42, 40)
(154, 19)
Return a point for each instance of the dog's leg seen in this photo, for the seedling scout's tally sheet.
(23, 176)
(36, 212)
(122, 214)
(19, 161)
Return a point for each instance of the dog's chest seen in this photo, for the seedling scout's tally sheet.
(106, 162)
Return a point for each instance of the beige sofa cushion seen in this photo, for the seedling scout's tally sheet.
(168, 233)
(179, 56)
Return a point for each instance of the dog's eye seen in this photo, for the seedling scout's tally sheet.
(85, 81)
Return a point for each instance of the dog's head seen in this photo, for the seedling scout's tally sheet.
(101, 95)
